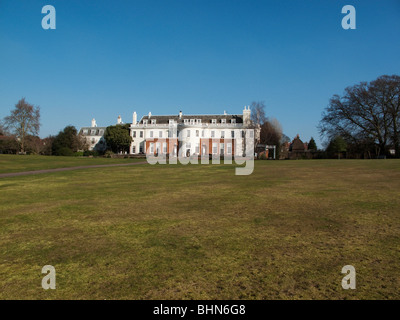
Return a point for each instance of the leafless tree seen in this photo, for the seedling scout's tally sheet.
(366, 111)
(24, 120)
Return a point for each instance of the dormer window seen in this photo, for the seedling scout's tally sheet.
(198, 121)
(186, 121)
(233, 120)
(214, 121)
(191, 122)
(171, 121)
(145, 121)
(153, 121)
(223, 121)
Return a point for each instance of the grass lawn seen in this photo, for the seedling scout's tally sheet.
(12, 163)
(200, 232)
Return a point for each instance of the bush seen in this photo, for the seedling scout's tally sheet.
(64, 151)
(108, 154)
(92, 153)
(78, 154)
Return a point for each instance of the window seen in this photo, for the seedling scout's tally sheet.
(151, 147)
(85, 132)
(197, 148)
(144, 121)
(160, 134)
(141, 134)
(164, 147)
(191, 121)
(185, 121)
(198, 121)
(233, 120)
(212, 134)
(171, 121)
(170, 132)
(197, 133)
(221, 148)
(134, 134)
(232, 134)
(214, 148)
(229, 147)
(188, 133)
(93, 132)
(101, 132)
(214, 121)
(222, 134)
(153, 121)
(223, 120)
(151, 134)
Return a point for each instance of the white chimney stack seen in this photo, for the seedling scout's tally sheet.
(134, 119)
(180, 114)
(94, 123)
(149, 115)
(119, 120)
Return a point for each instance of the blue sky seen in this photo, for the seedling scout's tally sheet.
(110, 58)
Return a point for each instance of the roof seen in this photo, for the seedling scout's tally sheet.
(203, 118)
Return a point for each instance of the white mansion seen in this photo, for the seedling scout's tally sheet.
(180, 134)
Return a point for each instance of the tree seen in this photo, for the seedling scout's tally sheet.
(312, 145)
(366, 112)
(258, 113)
(118, 138)
(24, 120)
(336, 146)
(66, 142)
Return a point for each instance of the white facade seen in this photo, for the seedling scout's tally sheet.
(191, 134)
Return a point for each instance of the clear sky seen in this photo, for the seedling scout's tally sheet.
(110, 58)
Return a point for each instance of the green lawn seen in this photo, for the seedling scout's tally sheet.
(12, 163)
(200, 232)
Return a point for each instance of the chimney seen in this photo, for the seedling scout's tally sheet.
(149, 114)
(180, 114)
(119, 120)
(94, 123)
(134, 119)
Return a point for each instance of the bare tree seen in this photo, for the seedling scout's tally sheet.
(258, 113)
(366, 111)
(24, 120)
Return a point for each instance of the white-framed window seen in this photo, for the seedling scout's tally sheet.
(213, 121)
(222, 134)
(214, 148)
(85, 131)
(198, 121)
(233, 120)
(145, 121)
(141, 134)
(222, 148)
(191, 122)
(197, 133)
(151, 134)
(185, 121)
(170, 133)
(160, 134)
(212, 134)
(134, 134)
(223, 120)
(164, 147)
(171, 121)
(151, 147)
(232, 134)
(229, 148)
(158, 147)
(197, 148)
(153, 121)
